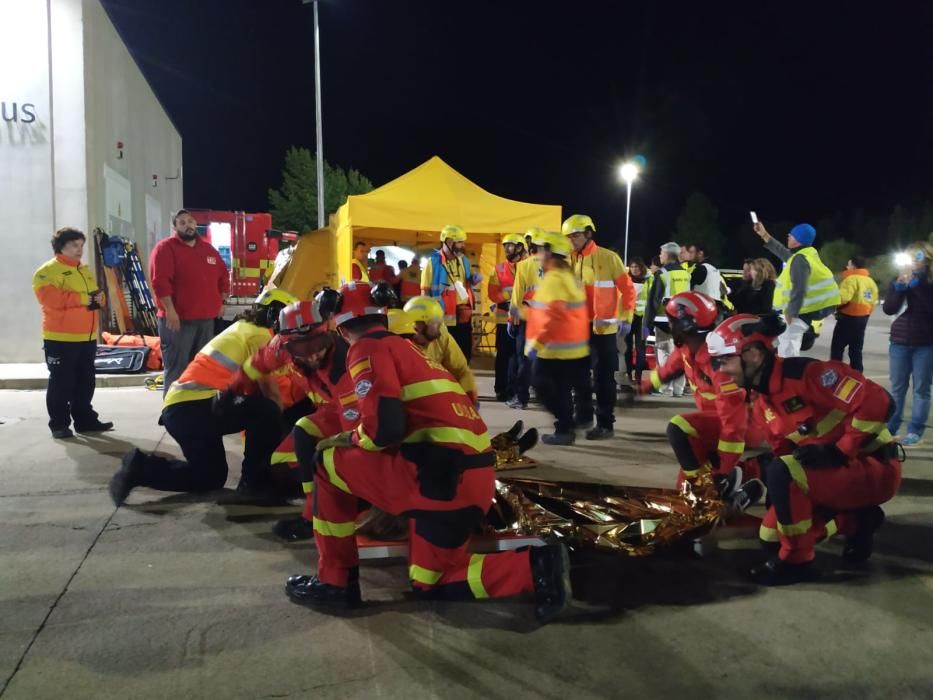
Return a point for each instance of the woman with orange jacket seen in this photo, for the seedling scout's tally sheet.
(68, 294)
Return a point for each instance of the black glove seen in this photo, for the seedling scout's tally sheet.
(817, 456)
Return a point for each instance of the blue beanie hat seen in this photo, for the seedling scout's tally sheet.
(804, 233)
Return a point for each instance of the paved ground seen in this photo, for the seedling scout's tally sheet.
(169, 597)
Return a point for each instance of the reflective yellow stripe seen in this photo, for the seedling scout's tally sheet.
(317, 398)
(868, 426)
(176, 395)
(309, 427)
(251, 371)
(801, 528)
(430, 387)
(365, 441)
(682, 423)
(882, 439)
(733, 447)
(325, 527)
(422, 575)
(331, 469)
(797, 472)
(768, 534)
(707, 395)
(691, 473)
(829, 422)
(454, 436)
(656, 379)
(283, 457)
(831, 528)
(307, 486)
(475, 576)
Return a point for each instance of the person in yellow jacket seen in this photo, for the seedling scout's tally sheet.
(858, 295)
(424, 316)
(528, 274)
(501, 284)
(610, 301)
(68, 295)
(198, 411)
(805, 291)
(558, 336)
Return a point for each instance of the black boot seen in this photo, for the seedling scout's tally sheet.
(858, 547)
(130, 475)
(96, 427)
(559, 439)
(247, 494)
(294, 530)
(600, 432)
(310, 591)
(777, 572)
(550, 573)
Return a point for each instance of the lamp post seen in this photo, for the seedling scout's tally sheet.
(628, 172)
(319, 128)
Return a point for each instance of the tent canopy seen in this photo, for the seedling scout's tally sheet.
(412, 209)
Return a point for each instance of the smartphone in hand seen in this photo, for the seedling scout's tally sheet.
(754, 217)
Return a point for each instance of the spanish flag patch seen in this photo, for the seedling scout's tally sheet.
(847, 389)
(360, 367)
(347, 399)
(728, 388)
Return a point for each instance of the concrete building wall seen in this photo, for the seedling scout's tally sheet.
(70, 91)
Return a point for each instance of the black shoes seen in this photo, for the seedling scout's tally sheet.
(62, 434)
(776, 572)
(98, 427)
(311, 591)
(129, 476)
(249, 495)
(858, 547)
(559, 439)
(600, 432)
(294, 530)
(747, 495)
(550, 573)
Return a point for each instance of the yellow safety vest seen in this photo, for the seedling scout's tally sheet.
(822, 290)
(675, 282)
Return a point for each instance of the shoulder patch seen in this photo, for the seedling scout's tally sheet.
(828, 378)
(847, 389)
(362, 387)
(794, 367)
(728, 388)
(359, 367)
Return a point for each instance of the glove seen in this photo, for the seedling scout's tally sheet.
(344, 439)
(624, 328)
(512, 330)
(819, 456)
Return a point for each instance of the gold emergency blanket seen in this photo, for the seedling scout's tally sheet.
(632, 520)
(511, 446)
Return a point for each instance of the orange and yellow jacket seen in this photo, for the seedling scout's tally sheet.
(63, 287)
(610, 294)
(858, 293)
(558, 325)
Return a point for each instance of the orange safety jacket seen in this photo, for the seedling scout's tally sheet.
(63, 287)
(714, 392)
(500, 289)
(410, 283)
(558, 325)
(610, 294)
(858, 293)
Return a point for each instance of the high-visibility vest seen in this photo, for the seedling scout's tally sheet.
(63, 287)
(528, 275)
(558, 321)
(822, 290)
(500, 289)
(439, 278)
(410, 285)
(359, 271)
(712, 285)
(641, 296)
(609, 294)
(215, 364)
(675, 281)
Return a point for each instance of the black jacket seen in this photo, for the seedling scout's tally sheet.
(915, 325)
(748, 300)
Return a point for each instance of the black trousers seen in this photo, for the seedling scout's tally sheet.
(604, 361)
(463, 334)
(523, 367)
(199, 427)
(635, 360)
(554, 381)
(849, 331)
(71, 383)
(505, 362)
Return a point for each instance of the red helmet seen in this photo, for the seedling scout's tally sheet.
(734, 334)
(692, 312)
(302, 318)
(359, 299)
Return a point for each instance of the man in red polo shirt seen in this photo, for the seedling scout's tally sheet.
(191, 283)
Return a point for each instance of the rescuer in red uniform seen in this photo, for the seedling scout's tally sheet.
(713, 438)
(835, 461)
(420, 449)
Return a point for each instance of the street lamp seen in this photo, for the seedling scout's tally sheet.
(319, 128)
(628, 172)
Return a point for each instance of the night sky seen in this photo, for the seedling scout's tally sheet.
(796, 110)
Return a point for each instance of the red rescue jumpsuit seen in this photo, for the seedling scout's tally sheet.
(714, 437)
(825, 403)
(421, 449)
